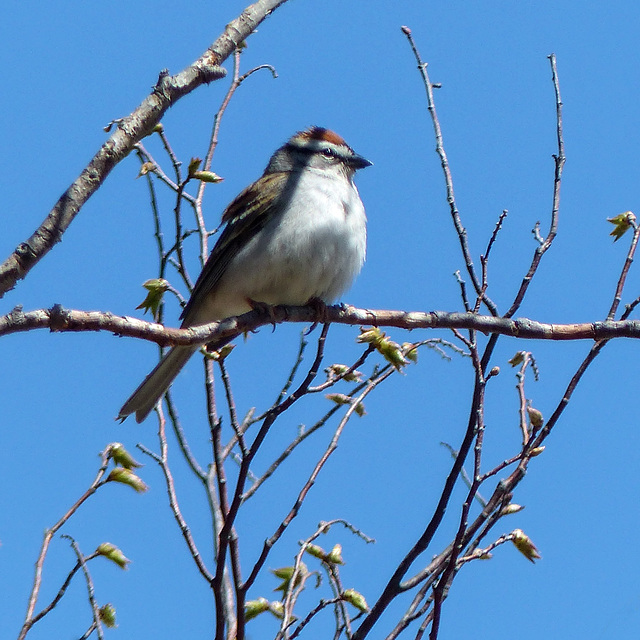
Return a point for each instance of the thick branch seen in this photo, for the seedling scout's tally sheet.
(63, 320)
(128, 132)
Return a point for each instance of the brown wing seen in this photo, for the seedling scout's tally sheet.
(245, 216)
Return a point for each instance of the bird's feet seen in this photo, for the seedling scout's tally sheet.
(322, 313)
(263, 307)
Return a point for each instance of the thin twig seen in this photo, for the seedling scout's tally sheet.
(176, 425)
(48, 535)
(304, 434)
(323, 528)
(145, 156)
(292, 374)
(476, 422)
(130, 130)
(225, 534)
(559, 160)
(625, 270)
(323, 604)
(484, 259)
(163, 462)
(522, 400)
(312, 478)
(88, 632)
(90, 589)
(464, 475)
(463, 290)
(238, 436)
(451, 200)
(177, 165)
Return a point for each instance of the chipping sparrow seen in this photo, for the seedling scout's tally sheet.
(295, 235)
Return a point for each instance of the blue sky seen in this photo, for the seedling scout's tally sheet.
(71, 68)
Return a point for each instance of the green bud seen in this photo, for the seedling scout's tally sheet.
(410, 352)
(220, 354)
(207, 176)
(316, 551)
(108, 615)
(285, 574)
(113, 553)
(370, 336)
(335, 555)
(145, 167)
(536, 451)
(253, 608)
(194, 165)
(621, 224)
(517, 359)
(156, 288)
(341, 398)
(392, 353)
(356, 599)
(524, 545)
(535, 417)
(338, 398)
(340, 370)
(480, 554)
(277, 609)
(126, 476)
(121, 456)
(511, 508)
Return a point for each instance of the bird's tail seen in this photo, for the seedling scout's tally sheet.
(145, 397)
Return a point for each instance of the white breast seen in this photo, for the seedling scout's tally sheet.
(313, 249)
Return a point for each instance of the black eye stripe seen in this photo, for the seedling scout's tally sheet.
(327, 152)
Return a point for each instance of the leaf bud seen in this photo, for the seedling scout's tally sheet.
(145, 168)
(316, 551)
(253, 608)
(121, 456)
(511, 508)
(207, 176)
(107, 614)
(335, 555)
(126, 476)
(621, 224)
(524, 545)
(517, 359)
(277, 609)
(156, 288)
(194, 165)
(535, 417)
(410, 352)
(113, 553)
(355, 598)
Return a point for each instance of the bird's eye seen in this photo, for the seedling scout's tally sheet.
(328, 153)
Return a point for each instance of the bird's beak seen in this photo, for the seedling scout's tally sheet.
(358, 162)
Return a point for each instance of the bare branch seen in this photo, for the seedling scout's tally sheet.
(625, 269)
(57, 318)
(560, 159)
(451, 200)
(140, 123)
(90, 589)
(48, 535)
(163, 461)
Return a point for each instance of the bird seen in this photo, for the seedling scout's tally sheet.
(296, 235)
